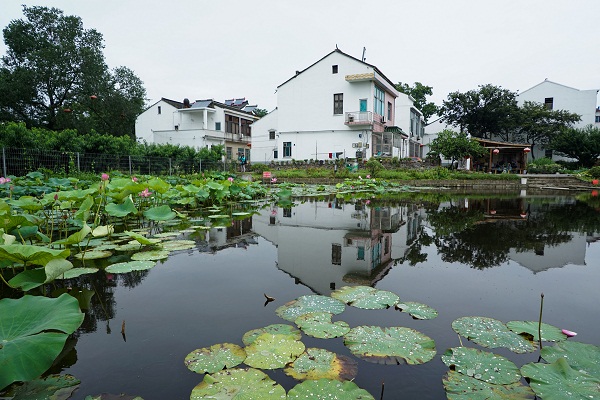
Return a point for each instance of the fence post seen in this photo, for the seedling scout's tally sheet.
(200, 166)
(78, 165)
(170, 172)
(3, 162)
(129, 165)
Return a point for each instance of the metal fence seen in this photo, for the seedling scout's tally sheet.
(19, 162)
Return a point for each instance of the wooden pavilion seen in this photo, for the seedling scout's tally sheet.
(502, 157)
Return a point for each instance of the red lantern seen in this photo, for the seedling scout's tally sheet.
(526, 150)
(594, 193)
(93, 97)
(493, 212)
(496, 151)
(595, 182)
(523, 215)
(67, 110)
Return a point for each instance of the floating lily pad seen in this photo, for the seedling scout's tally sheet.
(104, 230)
(365, 297)
(125, 267)
(463, 387)
(319, 325)
(279, 329)
(142, 239)
(179, 245)
(417, 310)
(54, 387)
(549, 333)
(128, 247)
(482, 365)
(559, 381)
(240, 384)
(240, 213)
(160, 213)
(320, 363)
(75, 272)
(270, 351)
(215, 358)
(167, 234)
(580, 356)
(92, 255)
(150, 255)
(328, 389)
(218, 216)
(307, 304)
(390, 345)
(491, 333)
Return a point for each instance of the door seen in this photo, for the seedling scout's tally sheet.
(363, 105)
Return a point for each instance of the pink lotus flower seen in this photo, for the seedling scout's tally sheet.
(569, 333)
(368, 176)
(4, 180)
(134, 179)
(274, 180)
(105, 177)
(145, 193)
(368, 202)
(230, 179)
(56, 197)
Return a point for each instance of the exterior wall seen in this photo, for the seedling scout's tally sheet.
(262, 146)
(150, 120)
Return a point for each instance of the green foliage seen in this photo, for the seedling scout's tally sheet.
(419, 92)
(543, 166)
(260, 168)
(374, 166)
(455, 146)
(582, 144)
(594, 172)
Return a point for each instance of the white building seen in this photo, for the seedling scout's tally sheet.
(412, 124)
(337, 107)
(200, 124)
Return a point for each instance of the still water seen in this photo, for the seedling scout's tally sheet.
(464, 256)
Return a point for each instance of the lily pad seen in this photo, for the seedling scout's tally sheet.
(75, 272)
(54, 387)
(128, 247)
(121, 210)
(328, 389)
(320, 363)
(160, 213)
(33, 331)
(150, 255)
(270, 351)
(279, 329)
(307, 304)
(392, 345)
(463, 387)
(319, 325)
(417, 310)
(215, 358)
(549, 333)
(491, 333)
(30, 254)
(482, 365)
(167, 234)
(125, 267)
(559, 381)
(103, 230)
(141, 239)
(365, 297)
(580, 356)
(174, 245)
(238, 383)
(93, 255)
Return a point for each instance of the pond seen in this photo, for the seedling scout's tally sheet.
(462, 255)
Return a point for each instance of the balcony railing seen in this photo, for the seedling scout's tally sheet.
(359, 118)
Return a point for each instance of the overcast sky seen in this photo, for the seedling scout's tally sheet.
(223, 49)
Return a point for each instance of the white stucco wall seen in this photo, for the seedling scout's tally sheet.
(262, 146)
(150, 120)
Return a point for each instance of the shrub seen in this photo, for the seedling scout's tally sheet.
(594, 172)
(260, 168)
(374, 166)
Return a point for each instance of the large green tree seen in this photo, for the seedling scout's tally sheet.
(582, 144)
(54, 75)
(486, 112)
(419, 93)
(455, 146)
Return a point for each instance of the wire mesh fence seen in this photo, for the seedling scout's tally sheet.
(19, 162)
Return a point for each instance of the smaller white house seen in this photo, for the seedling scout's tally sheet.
(202, 123)
(412, 124)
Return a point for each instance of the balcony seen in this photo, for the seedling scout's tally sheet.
(356, 118)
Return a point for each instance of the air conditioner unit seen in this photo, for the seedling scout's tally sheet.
(367, 145)
(354, 145)
(383, 120)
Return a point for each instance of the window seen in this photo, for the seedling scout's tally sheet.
(597, 118)
(287, 212)
(217, 126)
(228, 152)
(246, 127)
(338, 103)
(159, 109)
(389, 111)
(272, 135)
(361, 253)
(287, 149)
(386, 245)
(232, 124)
(334, 69)
(336, 254)
(548, 153)
(549, 103)
(379, 101)
(275, 154)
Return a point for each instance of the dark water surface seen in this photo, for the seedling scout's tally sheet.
(463, 256)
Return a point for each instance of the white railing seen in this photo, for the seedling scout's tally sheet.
(359, 118)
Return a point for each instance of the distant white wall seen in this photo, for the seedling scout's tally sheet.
(262, 146)
(151, 120)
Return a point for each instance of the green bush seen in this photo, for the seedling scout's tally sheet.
(594, 172)
(260, 168)
(374, 166)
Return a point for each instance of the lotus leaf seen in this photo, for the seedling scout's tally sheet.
(31, 254)
(150, 255)
(158, 185)
(390, 345)
(215, 358)
(141, 239)
(559, 381)
(463, 387)
(328, 389)
(365, 297)
(580, 356)
(178, 245)
(320, 363)
(240, 213)
(29, 279)
(83, 212)
(6, 238)
(83, 295)
(28, 203)
(269, 351)
(125, 267)
(92, 254)
(167, 234)
(280, 329)
(75, 272)
(24, 232)
(482, 365)
(54, 387)
(549, 333)
(319, 325)
(76, 237)
(103, 230)
(491, 333)
(417, 310)
(33, 331)
(128, 247)
(307, 304)
(240, 384)
(121, 210)
(160, 213)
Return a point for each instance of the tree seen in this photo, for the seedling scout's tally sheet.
(419, 93)
(490, 110)
(456, 146)
(260, 112)
(582, 144)
(54, 68)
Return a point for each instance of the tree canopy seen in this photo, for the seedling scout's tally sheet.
(419, 93)
(455, 146)
(582, 144)
(54, 76)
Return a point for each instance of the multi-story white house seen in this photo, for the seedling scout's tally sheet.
(200, 124)
(412, 124)
(339, 106)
